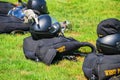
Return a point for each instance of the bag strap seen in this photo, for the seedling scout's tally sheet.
(97, 62)
(89, 45)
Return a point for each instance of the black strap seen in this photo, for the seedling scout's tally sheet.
(48, 58)
(83, 44)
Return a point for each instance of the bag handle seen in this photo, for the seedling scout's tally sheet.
(83, 44)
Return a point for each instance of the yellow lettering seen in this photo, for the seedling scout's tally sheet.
(110, 72)
(118, 70)
(61, 49)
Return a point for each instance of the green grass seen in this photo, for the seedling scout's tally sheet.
(84, 16)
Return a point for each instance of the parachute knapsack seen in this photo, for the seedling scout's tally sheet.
(101, 67)
(50, 49)
(11, 23)
(5, 7)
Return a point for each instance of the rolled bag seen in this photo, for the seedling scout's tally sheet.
(97, 66)
(45, 50)
(11, 23)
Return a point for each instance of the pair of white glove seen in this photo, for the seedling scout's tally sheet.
(30, 16)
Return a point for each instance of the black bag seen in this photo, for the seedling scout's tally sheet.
(101, 67)
(5, 7)
(11, 23)
(108, 26)
(48, 50)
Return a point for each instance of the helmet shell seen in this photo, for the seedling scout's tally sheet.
(109, 44)
(38, 6)
(45, 28)
(44, 23)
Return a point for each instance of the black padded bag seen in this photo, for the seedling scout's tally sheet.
(101, 67)
(46, 50)
(11, 23)
(5, 7)
(108, 26)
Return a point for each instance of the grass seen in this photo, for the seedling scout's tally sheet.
(84, 16)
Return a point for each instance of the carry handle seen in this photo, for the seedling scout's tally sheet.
(85, 44)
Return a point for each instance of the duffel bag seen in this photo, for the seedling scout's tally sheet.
(5, 7)
(97, 66)
(11, 23)
(46, 50)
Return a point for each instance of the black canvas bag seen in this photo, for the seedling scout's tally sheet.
(101, 67)
(108, 26)
(46, 50)
(11, 23)
(5, 7)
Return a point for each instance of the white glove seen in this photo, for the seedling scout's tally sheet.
(30, 16)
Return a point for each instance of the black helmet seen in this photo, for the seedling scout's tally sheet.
(45, 28)
(109, 44)
(39, 6)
